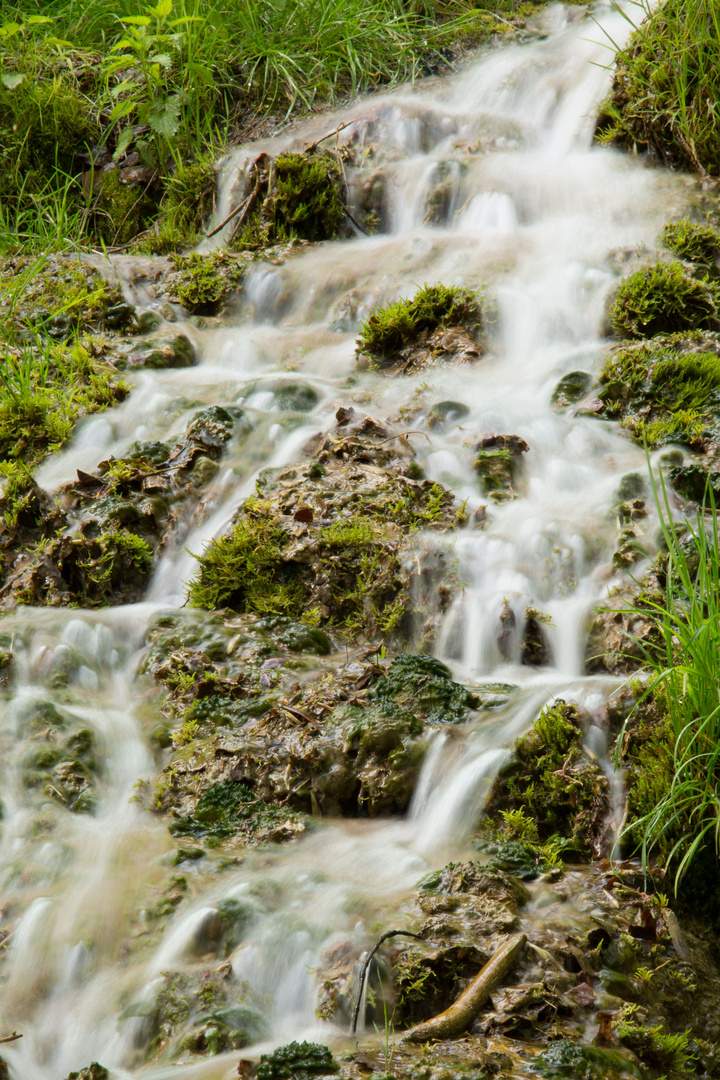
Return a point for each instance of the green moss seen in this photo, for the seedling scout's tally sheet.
(305, 203)
(698, 244)
(565, 1060)
(425, 687)
(496, 468)
(203, 283)
(658, 1049)
(245, 570)
(667, 390)
(121, 211)
(186, 203)
(552, 781)
(226, 809)
(663, 298)
(297, 1061)
(404, 323)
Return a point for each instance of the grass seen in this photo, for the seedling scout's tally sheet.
(69, 95)
(682, 814)
(666, 93)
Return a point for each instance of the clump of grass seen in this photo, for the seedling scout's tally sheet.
(404, 323)
(666, 93)
(698, 244)
(684, 820)
(663, 298)
(662, 391)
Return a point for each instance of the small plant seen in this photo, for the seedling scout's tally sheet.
(663, 298)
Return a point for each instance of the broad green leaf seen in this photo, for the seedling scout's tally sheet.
(35, 20)
(165, 121)
(163, 59)
(11, 81)
(137, 20)
(126, 137)
(123, 108)
(10, 29)
(121, 88)
(163, 8)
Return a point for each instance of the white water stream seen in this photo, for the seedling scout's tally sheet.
(535, 212)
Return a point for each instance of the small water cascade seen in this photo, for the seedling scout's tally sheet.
(491, 179)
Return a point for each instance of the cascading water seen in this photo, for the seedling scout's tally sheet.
(533, 211)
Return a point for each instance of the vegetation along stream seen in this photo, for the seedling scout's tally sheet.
(359, 564)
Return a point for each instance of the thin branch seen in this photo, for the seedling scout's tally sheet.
(366, 965)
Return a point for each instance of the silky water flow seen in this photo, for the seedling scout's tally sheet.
(534, 211)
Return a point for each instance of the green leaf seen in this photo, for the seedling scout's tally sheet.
(137, 20)
(126, 137)
(35, 20)
(165, 121)
(163, 8)
(163, 59)
(10, 29)
(11, 81)
(122, 109)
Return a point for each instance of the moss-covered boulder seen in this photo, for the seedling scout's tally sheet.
(663, 298)
(297, 1061)
(692, 242)
(99, 546)
(497, 463)
(665, 390)
(294, 196)
(555, 781)
(205, 284)
(327, 541)
(440, 323)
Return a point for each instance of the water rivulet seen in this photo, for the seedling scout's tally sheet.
(485, 179)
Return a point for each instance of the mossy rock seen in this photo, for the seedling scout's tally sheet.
(424, 687)
(61, 297)
(565, 1060)
(408, 334)
(162, 351)
(297, 1061)
(425, 981)
(92, 1072)
(498, 464)
(663, 298)
(561, 790)
(204, 284)
(572, 388)
(691, 242)
(325, 540)
(665, 390)
(302, 198)
(228, 809)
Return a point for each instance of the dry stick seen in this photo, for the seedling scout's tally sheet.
(340, 127)
(366, 965)
(10, 1038)
(462, 1012)
(230, 216)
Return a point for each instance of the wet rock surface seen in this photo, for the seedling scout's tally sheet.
(97, 542)
(326, 540)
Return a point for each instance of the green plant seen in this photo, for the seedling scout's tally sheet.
(663, 298)
(666, 93)
(156, 46)
(685, 818)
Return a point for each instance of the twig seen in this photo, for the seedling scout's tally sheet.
(230, 216)
(340, 127)
(356, 223)
(403, 435)
(10, 1038)
(366, 965)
